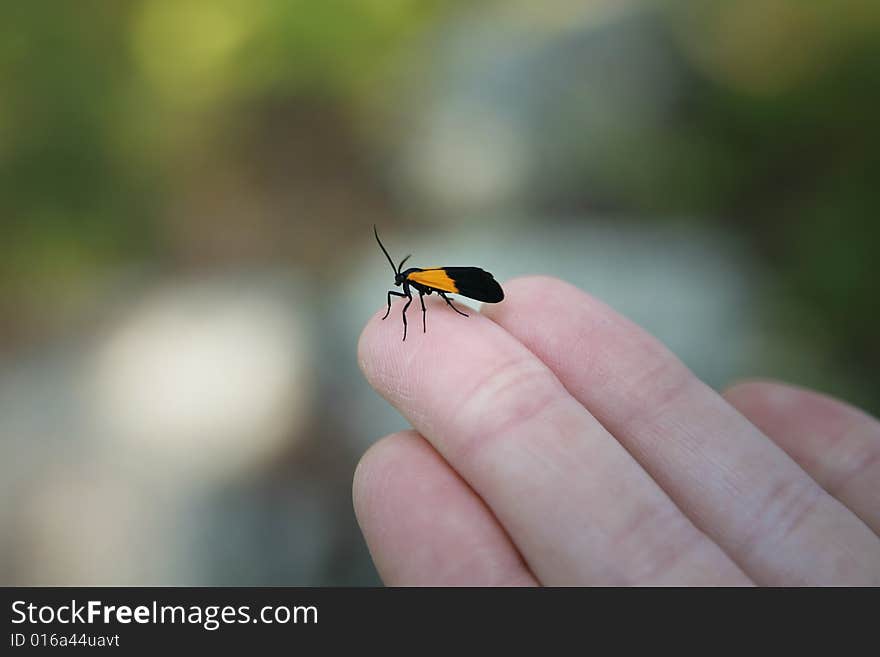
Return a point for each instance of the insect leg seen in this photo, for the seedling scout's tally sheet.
(397, 294)
(449, 302)
(403, 314)
(422, 299)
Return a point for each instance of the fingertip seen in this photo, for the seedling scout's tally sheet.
(767, 394)
(749, 388)
(365, 341)
(423, 524)
(400, 370)
(763, 399)
(376, 465)
(377, 343)
(381, 452)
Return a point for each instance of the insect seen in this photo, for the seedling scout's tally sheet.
(471, 282)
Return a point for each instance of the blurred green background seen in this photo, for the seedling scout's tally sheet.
(186, 194)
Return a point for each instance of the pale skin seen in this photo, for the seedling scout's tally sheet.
(555, 442)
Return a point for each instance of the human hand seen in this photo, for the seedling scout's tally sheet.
(557, 443)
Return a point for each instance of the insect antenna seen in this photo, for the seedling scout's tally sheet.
(400, 266)
(390, 261)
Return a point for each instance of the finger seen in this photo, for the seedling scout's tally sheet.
(576, 505)
(838, 445)
(732, 481)
(424, 526)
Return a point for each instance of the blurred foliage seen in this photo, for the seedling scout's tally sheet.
(788, 130)
(114, 117)
(111, 111)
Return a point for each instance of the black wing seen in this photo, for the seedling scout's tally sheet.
(475, 283)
